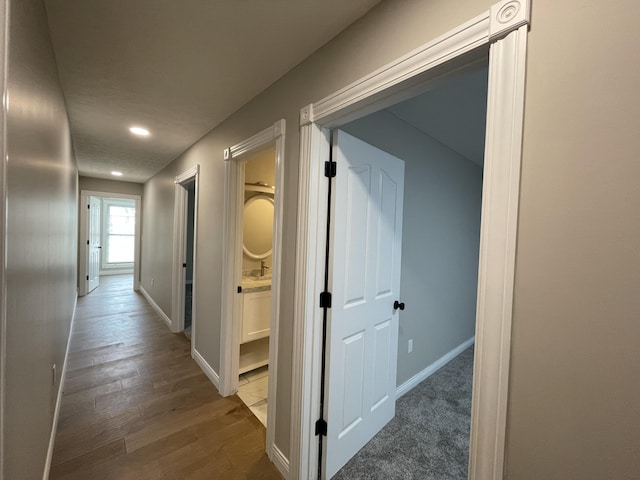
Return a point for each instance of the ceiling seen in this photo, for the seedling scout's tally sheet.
(177, 68)
(454, 113)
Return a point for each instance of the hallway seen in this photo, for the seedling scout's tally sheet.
(135, 405)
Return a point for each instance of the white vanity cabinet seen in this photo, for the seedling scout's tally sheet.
(254, 339)
(256, 309)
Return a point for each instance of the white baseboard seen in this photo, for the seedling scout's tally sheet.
(433, 368)
(280, 461)
(56, 413)
(206, 368)
(116, 271)
(155, 306)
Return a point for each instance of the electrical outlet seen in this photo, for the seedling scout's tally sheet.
(53, 374)
(410, 345)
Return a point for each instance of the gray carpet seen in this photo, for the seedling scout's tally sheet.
(429, 437)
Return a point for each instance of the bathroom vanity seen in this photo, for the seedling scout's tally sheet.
(256, 310)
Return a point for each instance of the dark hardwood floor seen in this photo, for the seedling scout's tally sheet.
(136, 405)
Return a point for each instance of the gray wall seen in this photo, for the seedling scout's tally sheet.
(574, 395)
(440, 240)
(574, 390)
(41, 240)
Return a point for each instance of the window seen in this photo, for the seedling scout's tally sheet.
(119, 226)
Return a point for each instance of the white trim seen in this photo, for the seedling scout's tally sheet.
(367, 94)
(496, 271)
(307, 327)
(180, 205)
(180, 202)
(232, 265)
(188, 174)
(397, 81)
(106, 273)
(280, 461)
(256, 141)
(56, 412)
(433, 368)
(206, 368)
(96, 193)
(84, 194)
(83, 234)
(276, 285)
(507, 16)
(156, 307)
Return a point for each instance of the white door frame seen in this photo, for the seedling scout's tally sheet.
(180, 204)
(84, 231)
(232, 231)
(502, 31)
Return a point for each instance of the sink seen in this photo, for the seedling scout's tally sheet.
(256, 278)
(256, 283)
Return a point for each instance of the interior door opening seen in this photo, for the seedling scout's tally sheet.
(254, 315)
(184, 263)
(109, 240)
(190, 187)
(251, 277)
(440, 136)
(94, 240)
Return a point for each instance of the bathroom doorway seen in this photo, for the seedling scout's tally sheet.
(257, 263)
(252, 273)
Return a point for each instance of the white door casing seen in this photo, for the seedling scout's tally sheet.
(93, 244)
(178, 272)
(84, 236)
(365, 281)
(230, 331)
(502, 32)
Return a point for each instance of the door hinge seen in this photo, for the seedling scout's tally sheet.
(329, 169)
(321, 428)
(87, 242)
(239, 289)
(89, 207)
(184, 265)
(325, 299)
(87, 277)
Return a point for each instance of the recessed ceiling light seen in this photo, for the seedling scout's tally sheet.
(143, 132)
(116, 174)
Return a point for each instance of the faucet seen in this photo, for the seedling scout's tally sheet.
(263, 267)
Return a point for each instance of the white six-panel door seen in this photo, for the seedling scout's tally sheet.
(93, 247)
(365, 282)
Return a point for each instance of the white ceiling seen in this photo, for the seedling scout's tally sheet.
(176, 67)
(454, 113)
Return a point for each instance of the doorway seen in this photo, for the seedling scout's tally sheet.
(256, 242)
(109, 241)
(439, 138)
(190, 187)
(251, 273)
(184, 272)
(503, 39)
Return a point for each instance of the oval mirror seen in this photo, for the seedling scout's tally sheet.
(257, 230)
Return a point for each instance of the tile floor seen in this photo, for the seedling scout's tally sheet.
(252, 390)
